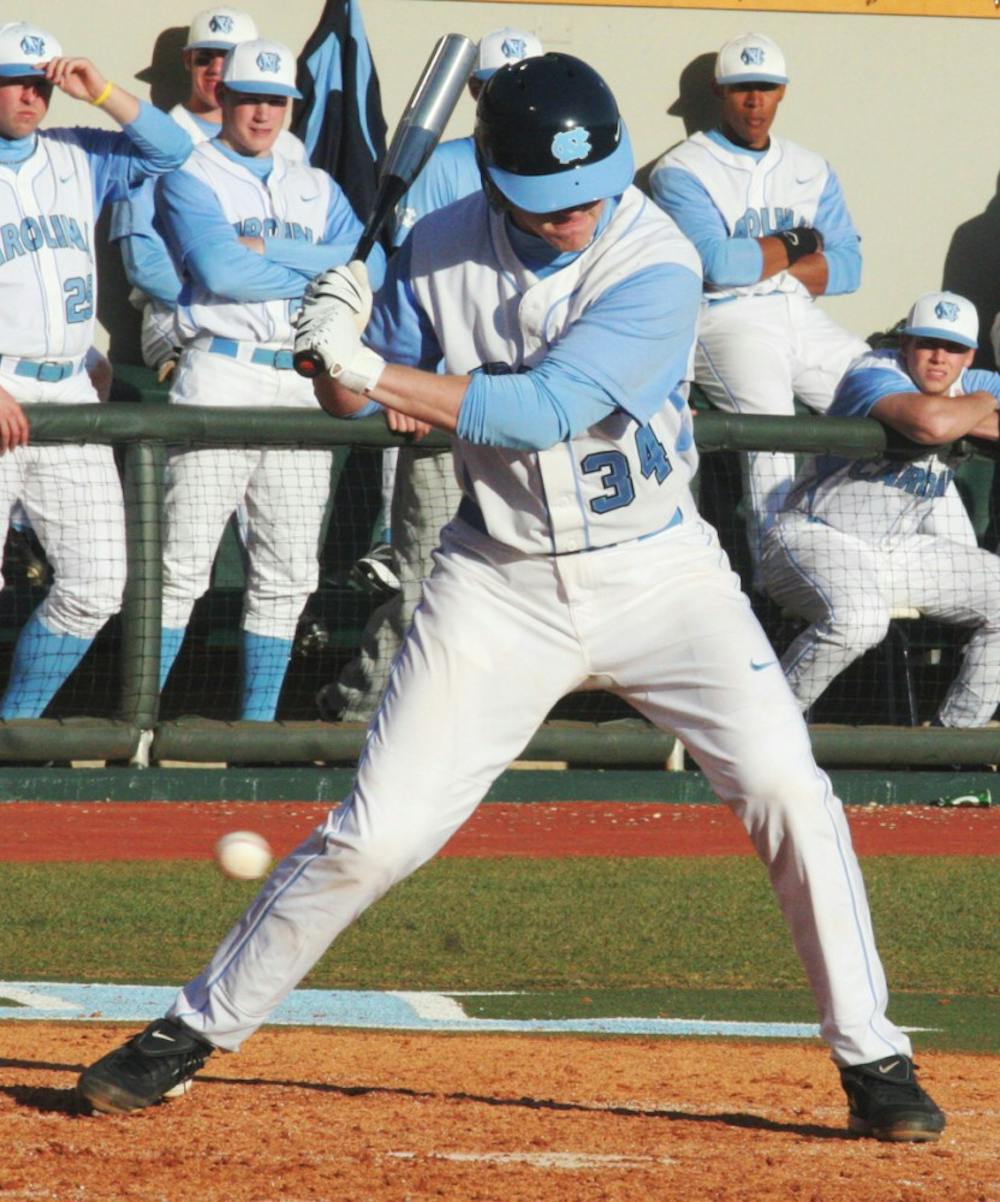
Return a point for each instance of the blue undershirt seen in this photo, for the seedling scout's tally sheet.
(732, 262)
(206, 243)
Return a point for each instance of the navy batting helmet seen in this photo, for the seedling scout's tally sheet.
(549, 135)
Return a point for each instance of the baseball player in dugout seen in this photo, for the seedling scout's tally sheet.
(420, 492)
(53, 184)
(148, 265)
(772, 228)
(852, 541)
(248, 228)
(577, 557)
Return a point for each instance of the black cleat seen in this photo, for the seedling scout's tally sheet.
(154, 1063)
(885, 1101)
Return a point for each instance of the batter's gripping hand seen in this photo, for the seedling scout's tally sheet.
(333, 340)
(345, 287)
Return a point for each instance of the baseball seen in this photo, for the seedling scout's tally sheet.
(243, 855)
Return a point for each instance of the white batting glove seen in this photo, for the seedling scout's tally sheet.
(334, 340)
(339, 287)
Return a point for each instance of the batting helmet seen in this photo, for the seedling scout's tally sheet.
(549, 135)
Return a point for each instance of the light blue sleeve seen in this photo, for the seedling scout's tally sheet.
(144, 254)
(152, 144)
(976, 379)
(841, 241)
(400, 330)
(728, 262)
(200, 238)
(628, 351)
(449, 174)
(340, 236)
(859, 390)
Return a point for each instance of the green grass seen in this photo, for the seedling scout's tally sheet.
(566, 924)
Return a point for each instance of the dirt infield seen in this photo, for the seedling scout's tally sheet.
(52, 831)
(306, 1116)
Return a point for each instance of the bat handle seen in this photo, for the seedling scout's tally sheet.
(308, 364)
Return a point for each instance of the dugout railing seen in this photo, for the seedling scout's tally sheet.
(135, 733)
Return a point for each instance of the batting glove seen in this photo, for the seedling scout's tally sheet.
(335, 341)
(340, 287)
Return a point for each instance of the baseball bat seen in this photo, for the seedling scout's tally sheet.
(419, 130)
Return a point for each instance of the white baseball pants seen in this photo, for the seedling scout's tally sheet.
(497, 639)
(757, 354)
(846, 586)
(72, 497)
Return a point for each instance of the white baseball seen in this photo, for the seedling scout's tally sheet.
(243, 855)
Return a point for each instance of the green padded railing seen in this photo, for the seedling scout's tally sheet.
(145, 427)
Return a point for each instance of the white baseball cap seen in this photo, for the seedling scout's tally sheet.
(23, 46)
(504, 46)
(944, 315)
(750, 58)
(220, 29)
(261, 68)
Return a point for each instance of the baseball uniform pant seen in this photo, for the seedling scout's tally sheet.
(846, 587)
(72, 497)
(425, 496)
(756, 355)
(496, 641)
(284, 492)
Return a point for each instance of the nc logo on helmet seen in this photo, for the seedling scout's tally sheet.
(571, 144)
(753, 56)
(269, 61)
(33, 46)
(220, 23)
(514, 49)
(946, 310)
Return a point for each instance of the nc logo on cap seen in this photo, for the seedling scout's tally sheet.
(946, 310)
(33, 47)
(220, 23)
(269, 62)
(571, 144)
(514, 48)
(753, 56)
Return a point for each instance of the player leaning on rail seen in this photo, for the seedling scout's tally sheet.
(577, 556)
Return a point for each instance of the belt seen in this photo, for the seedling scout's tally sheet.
(49, 371)
(248, 353)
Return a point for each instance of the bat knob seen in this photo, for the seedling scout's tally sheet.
(308, 364)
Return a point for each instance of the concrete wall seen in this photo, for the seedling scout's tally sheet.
(902, 106)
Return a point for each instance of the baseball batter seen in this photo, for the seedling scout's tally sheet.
(53, 184)
(771, 225)
(148, 265)
(419, 489)
(852, 542)
(248, 227)
(576, 556)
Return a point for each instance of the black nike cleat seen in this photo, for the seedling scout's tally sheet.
(886, 1102)
(154, 1063)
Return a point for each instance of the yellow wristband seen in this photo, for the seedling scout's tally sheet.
(98, 101)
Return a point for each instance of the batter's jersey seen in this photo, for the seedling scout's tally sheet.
(295, 205)
(878, 499)
(48, 209)
(716, 191)
(449, 174)
(623, 478)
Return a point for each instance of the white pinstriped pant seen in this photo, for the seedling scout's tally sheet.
(845, 586)
(497, 639)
